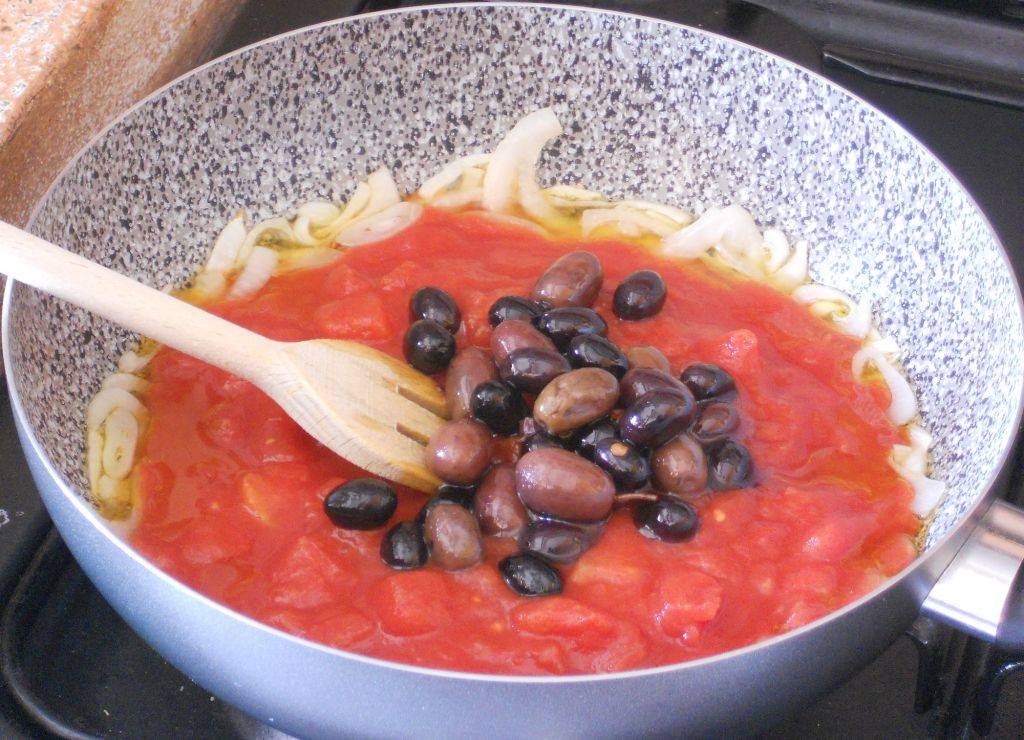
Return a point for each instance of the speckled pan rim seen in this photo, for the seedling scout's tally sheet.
(971, 514)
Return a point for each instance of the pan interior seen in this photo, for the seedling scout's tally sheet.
(651, 110)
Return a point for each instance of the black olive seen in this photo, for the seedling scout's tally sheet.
(669, 520)
(403, 547)
(639, 296)
(729, 466)
(530, 369)
(514, 307)
(627, 466)
(436, 305)
(448, 493)
(557, 542)
(562, 324)
(529, 575)
(592, 350)
(584, 442)
(707, 381)
(715, 422)
(540, 440)
(656, 417)
(363, 503)
(498, 405)
(429, 347)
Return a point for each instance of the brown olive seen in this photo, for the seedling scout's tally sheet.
(563, 485)
(573, 279)
(453, 537)
(508, 336)
(678, 466)
(498, 508)
(647, 356)
(471, 367)
(459, 451)
(715, 422)
(642, 380)
(531, 369)
(576, 398)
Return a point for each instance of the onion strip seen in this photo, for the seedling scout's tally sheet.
(903, 406)
(851, 318)
(258, 269)
(450, 174)
(226, 247)
(515, 159)
(381, 226)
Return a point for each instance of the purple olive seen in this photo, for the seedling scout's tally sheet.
(715, 422)
(627, 466)
(679, 466)
(648, 356)
(436, 305)
(471, 367)
(707, 381)
(514, 307)
(730, 466)
(639, 296)
(576, 398)
(460, 451)
(498, 508)
(560, 484)
(453, 537)
(530, 369)
(643, 380)
(573, 279)
(592, 350)
(562, 325)
(656, 417)
(669, 520)
(511, 335)
(557, 542)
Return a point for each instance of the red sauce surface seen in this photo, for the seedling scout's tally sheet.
(231, 490)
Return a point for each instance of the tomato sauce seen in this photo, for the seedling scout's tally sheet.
(230, 490)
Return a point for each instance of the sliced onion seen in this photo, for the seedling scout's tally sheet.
(209, 284)
(903, 406)
(927, 494)
(108, 399)
(94, 456)
(356, 204)
(794, 271)
(290, 260)
(459, 199)
(258, 269)
(276, 228)
(515, 158)
(450, 174)
(126, 381)
(886, 345)
(120, 436)
(731, 229)
(574, 198)
(777, 246)
(133, 362)
(622, 216)
(850, 318)
(383, 192)
(311, 218)
(229, 241)
(676, 215)
(113, 494)
(383, 225)
(507, 219)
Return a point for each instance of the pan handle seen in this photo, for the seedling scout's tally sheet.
(982, 589)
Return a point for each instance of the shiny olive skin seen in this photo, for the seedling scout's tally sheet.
(459, 451)
(556, 542)
(592, 350)
(508, 336)
(627, 466)
(363, 503)
(668, 520)
(585, 440)
(529, 575)
(563, 324)
(730, 466)
(428, 346)
(679, 466)
(464, 496)
(471, 367)
(707, 381)
(559, 484)
(514, 307)
(573, 279)
(499, 406)
(656, 417)
(643, 380)
(498, 508)
(540, 441)
(453, 537)
(403, 547)
(647, 356)
(436, 305)
(530, 369)
(640, 296)
(576, 398)
(715, 422)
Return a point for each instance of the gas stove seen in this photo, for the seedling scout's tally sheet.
(951, 72)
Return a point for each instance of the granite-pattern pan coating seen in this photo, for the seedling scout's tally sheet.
(651, 110)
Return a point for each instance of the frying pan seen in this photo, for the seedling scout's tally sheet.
(653, 110)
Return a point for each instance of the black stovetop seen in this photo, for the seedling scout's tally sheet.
(951, 72)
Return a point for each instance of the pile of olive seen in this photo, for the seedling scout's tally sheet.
(596, 428)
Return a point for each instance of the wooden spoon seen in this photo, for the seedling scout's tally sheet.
(366, 406)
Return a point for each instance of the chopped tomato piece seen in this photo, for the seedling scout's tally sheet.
(356, 316)
(686, 597)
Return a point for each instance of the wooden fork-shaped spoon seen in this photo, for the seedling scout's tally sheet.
(366, 406)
